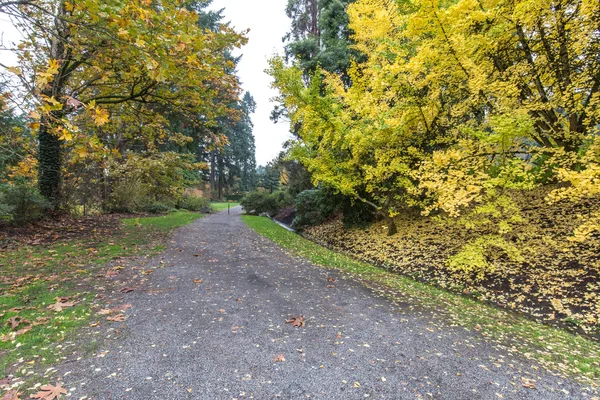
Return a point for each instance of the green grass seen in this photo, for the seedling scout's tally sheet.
(165, 222)
(57, 270)
(553, 348)
(222, 205)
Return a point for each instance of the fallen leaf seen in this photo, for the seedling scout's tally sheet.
(118, 318)
(198, 281)
(16, 321)
(12, 395)
(296, 321)
(330, 279)
(528, 383)
(61, 304)
(127, 290)
(5, 382)
(279, 358)
(49, 392)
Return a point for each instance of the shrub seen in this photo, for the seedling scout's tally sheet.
(281, 199)
(21, 204)
(258, 202)
(157, 208)
(194, 203)
(262, 202)
(356, 213)
(313, 207)
(128, 195)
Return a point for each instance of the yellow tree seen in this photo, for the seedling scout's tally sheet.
(455, 100)
(79, 59)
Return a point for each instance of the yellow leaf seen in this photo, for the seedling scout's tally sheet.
(82, 152)
(15, 70)
(100, 116)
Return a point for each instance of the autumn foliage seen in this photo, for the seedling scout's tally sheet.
(105, 85)
(454, 110)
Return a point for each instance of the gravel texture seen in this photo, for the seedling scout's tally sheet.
(225, 337)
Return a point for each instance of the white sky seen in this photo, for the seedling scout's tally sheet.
(268, 24)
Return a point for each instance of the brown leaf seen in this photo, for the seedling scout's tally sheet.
(330, 286)
(49, 392)
(16, 321)
(118, 318)
(296, 321)
(198, 281)
(330, 279)
(12, 395)
(528, 383)
(127, 290)
(4, 382)
(60, 304)
(22, 331)
(279, 358)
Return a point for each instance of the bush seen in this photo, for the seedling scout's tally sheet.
(313, 207)
(262, 202)
(257, 202)
(128, 195)
(21, 204)
(356, 213)
(157, 208)
(194, 203)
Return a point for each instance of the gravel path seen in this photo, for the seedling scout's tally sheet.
(219, 338)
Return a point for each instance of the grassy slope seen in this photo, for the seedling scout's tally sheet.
(222, 206)
(553, 348)
(33, 276)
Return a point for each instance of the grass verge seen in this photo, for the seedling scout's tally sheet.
(222, 206)
(34, 277)
(553, 348)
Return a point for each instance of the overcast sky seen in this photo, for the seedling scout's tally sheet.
(268, 23)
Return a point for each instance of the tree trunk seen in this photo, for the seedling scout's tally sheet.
(50, 163)
(220, 182)
(384, 211)
(391, 225)
(212, 174)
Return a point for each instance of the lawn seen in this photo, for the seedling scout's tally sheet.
(556, 349)
(47, 289)
(219, 206)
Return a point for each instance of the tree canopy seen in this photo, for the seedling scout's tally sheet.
(455, 104)
(102, 82)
